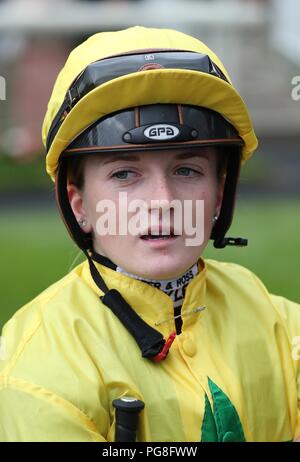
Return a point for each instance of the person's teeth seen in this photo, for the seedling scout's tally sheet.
(157, 236)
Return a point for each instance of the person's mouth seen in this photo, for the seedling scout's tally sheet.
(159, 236)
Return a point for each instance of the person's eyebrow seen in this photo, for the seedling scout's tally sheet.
(134, 158)
(126, 157)
(187, 155)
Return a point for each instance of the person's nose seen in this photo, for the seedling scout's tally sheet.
(161, 190)
(160, 201)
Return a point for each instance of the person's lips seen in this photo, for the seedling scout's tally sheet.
(159, 236)
(157, 232)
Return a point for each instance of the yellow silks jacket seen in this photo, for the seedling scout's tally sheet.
(231, 375)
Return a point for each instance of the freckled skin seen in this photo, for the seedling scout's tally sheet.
(157, 176)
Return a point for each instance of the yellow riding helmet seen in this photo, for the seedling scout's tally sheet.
(77, 103)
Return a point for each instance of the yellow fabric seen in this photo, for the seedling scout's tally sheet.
(143, 87)
(68, 357)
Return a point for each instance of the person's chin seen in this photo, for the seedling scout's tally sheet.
(163, 267)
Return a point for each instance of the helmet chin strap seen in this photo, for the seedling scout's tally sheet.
(151, 342)
(238, 241)
(223, 223)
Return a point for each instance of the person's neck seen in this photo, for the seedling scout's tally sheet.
(174, 287)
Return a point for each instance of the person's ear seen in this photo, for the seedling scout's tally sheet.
(76, 202)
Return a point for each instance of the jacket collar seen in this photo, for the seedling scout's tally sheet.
(150, 303)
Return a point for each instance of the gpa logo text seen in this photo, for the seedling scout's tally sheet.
(161, 132)
(2, 88)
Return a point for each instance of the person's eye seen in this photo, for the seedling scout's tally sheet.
(186, 171)
(123, 175)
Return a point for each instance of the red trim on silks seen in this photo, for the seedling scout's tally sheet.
(162, 355)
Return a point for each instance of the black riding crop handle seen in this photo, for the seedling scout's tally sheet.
(127, 416)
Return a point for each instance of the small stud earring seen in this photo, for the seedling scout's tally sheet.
(215, 219)
(82, 222)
